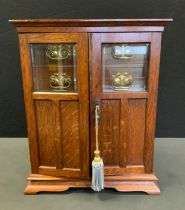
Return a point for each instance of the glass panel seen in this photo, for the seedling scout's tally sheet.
(124, 67)
(54, 67)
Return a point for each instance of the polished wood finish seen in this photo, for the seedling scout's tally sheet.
(90, 22)
(29, 103)
(89, 25)
(53, 96)
(148, 187)
(122, 129)
(152, 100)
(23, 29)
(47, 152)
(61, 125)
(135, 141)
(48, 121)
(126, 183)
(125, 177)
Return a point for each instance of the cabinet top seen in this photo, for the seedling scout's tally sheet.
(90, 22)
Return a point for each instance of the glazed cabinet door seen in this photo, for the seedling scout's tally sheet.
(55, 77)
(124, 76)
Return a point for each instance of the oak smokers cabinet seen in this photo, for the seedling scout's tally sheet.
(70, 65)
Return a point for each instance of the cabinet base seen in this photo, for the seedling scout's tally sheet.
(149, 187)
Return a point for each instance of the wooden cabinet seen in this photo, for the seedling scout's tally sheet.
(67, 65)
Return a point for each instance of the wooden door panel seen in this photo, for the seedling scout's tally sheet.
(44, 113)
(135, 141)
(68, 125)
(122, 125)
(122, 135)
(70, 134)
(64, 128)
(60, 137)
(109, 131)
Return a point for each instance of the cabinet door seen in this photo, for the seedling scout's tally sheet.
(55, 76)
(124, 79)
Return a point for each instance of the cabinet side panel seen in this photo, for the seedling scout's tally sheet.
(29, 105)
(135, 141)
(45, 132)
(109, 131)
(153, 79)
(70, 134)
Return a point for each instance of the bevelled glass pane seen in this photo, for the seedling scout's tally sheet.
(124, 67)
(54, 67)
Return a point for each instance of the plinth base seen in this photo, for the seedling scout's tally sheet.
(54, 185)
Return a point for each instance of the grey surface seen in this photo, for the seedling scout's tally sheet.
(169, 165)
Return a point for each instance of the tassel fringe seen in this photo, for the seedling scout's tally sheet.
(97, 176)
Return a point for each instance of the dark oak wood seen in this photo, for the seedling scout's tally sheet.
(148, 187)
(109, 132)
(90, 25)
(29, 104)
(136, 129)
(117, 95)
(70, 134)
(53, 96)
(89, 29)
(125, 177)
(152, 100)
(51, 115)
(90, 22)
(123, 119)
(61, 124)
(45, 134)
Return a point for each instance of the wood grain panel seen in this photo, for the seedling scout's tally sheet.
(54, 96)
(153, 78)
(123, 132)
(125, 177)
(89, 29)
(57, 133)
(135, 141)
(83, 89)
(118, 95)
(90, 22)
(45, 131)
(109, 131)
(29, 103)
(70, 134)
(117, 171)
